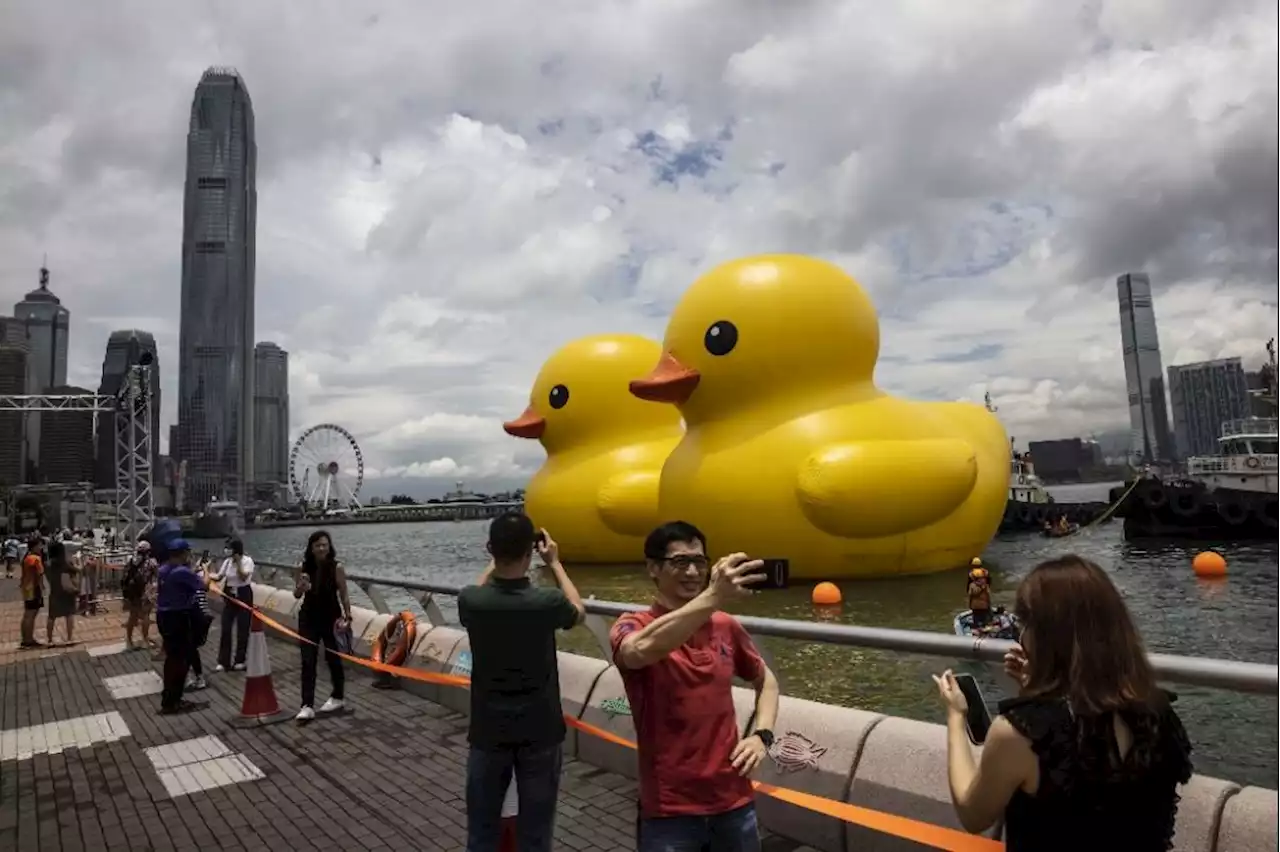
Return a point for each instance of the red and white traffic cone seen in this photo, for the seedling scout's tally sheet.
(510, 808)
(260, 706)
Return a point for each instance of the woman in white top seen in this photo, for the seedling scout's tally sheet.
(236, 575)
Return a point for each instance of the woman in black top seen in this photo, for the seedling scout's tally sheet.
(1091, 752)
(64, 591)
(321, 582)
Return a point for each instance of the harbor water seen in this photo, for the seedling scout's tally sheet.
(1235, 736)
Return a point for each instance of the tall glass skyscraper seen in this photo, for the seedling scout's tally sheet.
(1143, 371)
(124, 349)
(271, 413)
(48, 328)
(215, 359)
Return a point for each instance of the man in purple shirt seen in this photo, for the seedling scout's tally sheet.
(176, 611)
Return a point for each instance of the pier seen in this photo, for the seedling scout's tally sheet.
(394, 514)
(85, 762)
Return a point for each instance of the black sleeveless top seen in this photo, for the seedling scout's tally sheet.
(320, 605)
(1088, 797)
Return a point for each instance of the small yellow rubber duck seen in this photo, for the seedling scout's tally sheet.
(790, 449)
(597, 492)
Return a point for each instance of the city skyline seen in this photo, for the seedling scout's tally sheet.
(216, 317)
(425, 239)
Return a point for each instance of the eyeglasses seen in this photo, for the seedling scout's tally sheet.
(684, 563)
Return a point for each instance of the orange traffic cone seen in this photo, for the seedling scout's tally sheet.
(260, 706)
(510, 808)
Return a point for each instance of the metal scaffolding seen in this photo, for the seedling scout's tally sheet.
(131, 407)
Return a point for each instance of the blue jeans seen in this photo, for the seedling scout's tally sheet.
(731, 831)
(537, 774)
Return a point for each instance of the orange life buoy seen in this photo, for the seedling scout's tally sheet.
(396, 639)
(1253, 462)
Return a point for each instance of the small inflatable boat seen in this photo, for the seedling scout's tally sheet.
(1060, 533)
(1001, 626)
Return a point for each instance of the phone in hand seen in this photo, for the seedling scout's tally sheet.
(539, 540)
(977, 721)
(777, 575)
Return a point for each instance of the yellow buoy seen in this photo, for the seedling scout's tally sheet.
(1209, 563)
(826, 594)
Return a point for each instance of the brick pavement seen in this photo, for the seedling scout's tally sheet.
(388, 775)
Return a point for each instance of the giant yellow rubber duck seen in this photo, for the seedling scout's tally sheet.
(597, 492)
(790, 449)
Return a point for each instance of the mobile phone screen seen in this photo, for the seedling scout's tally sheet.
(978, 720)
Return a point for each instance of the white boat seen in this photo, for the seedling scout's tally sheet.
(1247, 459)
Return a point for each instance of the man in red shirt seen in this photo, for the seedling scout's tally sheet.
(678, 661)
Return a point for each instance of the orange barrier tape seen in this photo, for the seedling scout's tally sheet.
(936, 836)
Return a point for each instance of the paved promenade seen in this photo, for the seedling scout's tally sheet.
(87, 764)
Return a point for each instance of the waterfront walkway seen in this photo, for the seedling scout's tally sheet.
(87, 764)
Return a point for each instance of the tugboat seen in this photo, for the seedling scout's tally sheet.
(220, 519)
(1030, 506)
(1230, 495)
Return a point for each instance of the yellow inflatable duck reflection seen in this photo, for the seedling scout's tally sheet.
(790, 449)
(598, 490)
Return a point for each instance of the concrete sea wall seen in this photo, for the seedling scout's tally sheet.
(886, 764)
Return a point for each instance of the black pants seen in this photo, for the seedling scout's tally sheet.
(319, 630)
(237, 619)
(178, 632)
(537, 773)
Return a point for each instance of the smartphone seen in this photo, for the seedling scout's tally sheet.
(777, 575)
(978, 720)
(539, 540)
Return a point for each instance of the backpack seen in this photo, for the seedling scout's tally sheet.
(134, 582)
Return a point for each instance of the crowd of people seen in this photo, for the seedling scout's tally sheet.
(1088, 754)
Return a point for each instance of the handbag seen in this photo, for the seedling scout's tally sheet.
(343, 638)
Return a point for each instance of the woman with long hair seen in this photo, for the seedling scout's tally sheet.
(64, 591)
(1090, 753)
(321, 582)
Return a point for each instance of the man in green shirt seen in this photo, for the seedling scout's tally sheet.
(517, 722)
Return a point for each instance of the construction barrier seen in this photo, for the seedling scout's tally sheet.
(839, 778)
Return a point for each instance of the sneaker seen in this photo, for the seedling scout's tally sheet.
(238, 667)
(197, 683)
(306, 714)
(219, 668)
(333, 705)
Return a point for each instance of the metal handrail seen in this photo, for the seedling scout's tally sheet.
(1257, 678)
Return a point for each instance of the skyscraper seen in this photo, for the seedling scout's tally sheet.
(271, 413)
(13, 381)
(66, 447)
(124, 349)
(48, 325)
(1202, 397)
(215, 360)
(1143, 371)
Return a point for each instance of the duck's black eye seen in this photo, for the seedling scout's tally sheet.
(721, 338)
(559, 396)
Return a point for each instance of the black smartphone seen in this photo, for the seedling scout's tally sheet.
(978, 720)
(539, 540)
(777, 575)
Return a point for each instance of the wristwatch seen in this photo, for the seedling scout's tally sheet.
(765, 735)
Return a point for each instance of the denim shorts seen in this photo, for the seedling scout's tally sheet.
(731, 831)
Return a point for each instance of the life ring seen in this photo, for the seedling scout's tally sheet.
(1253, 462)
(1185, 504)
(1233, 512)
(395, 640)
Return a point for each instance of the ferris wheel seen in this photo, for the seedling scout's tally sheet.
(326, 467)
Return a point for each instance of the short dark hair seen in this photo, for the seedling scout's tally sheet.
(511, 536)
(657, 542)
(236, 546)
(57, 550)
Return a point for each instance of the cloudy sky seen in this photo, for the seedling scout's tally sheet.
(447, 192)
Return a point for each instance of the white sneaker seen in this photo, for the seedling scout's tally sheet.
(333, 705)
(306, 714)
(238, 667)
(219, 668)
(197, 683)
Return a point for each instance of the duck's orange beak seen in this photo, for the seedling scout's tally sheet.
(527, 425)
(670, 381)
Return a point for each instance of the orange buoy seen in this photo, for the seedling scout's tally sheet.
(826, 594)
(1209, 564)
